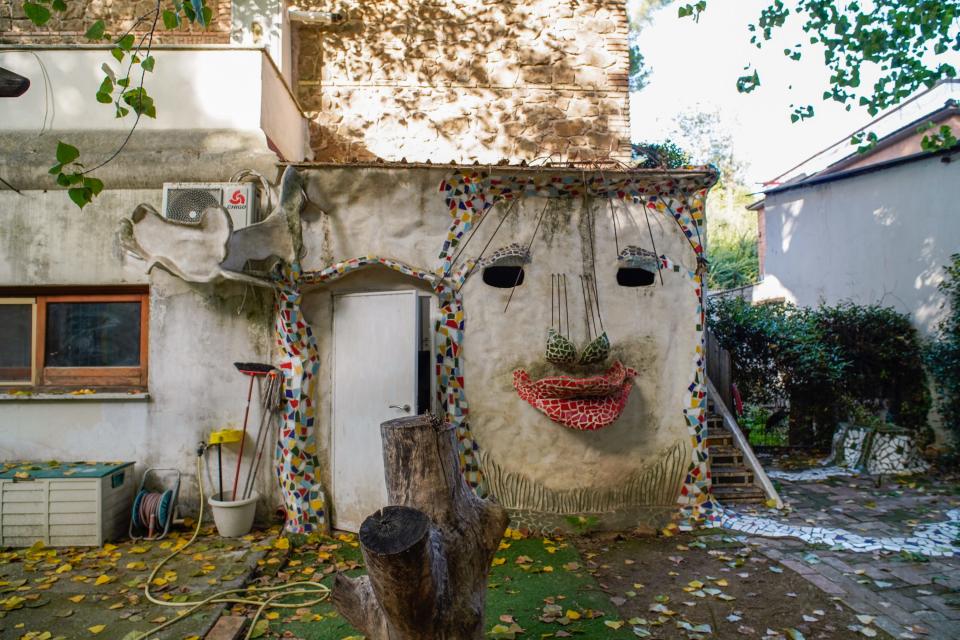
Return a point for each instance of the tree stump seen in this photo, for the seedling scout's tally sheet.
(428, 554)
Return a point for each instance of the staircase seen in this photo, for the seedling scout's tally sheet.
(733, 480)
(737, 475)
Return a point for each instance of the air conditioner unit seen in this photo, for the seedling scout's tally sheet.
(186, 201)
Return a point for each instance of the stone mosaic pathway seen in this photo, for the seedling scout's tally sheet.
(887, 552)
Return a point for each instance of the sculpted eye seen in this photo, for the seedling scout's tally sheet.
(504, 268)
(503, 276)
(636, 267)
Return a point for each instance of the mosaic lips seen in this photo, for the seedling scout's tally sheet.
(585, 404)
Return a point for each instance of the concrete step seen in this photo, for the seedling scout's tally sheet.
(735, 494)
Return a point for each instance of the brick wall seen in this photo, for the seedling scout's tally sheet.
(68, 27)
(466, 80)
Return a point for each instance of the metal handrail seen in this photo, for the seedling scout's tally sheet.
(744, 445)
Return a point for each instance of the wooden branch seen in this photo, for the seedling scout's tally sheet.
(428, 556)
(12, 85)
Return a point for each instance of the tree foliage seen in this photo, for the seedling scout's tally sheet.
(122, 86)
(943, 354)
(900, 44)
(828, 363)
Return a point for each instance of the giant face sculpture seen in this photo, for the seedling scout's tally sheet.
(579, 352)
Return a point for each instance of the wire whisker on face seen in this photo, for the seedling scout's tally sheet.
(529, 245)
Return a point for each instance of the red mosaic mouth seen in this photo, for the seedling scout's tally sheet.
(585, 404)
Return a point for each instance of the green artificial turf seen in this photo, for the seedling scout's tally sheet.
(525, 575)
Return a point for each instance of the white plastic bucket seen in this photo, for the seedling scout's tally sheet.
(234, 518)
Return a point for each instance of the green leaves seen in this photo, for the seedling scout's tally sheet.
(140, 102)
(105, 92)
(944, 138)
(66, 153)
(147, 63)
(894, 42)
(38, 14)
(171, 20)
(692, 10)
(748, 83)
(97, 31)
(801, 113)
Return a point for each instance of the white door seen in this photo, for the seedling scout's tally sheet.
(375, 342)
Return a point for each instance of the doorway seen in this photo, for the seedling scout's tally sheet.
(382, 350)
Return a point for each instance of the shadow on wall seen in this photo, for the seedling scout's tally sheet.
(467, 80)
(882, 238)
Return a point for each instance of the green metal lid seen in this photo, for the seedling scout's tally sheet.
(35, 469)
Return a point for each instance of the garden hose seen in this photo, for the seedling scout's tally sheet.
(303, 588)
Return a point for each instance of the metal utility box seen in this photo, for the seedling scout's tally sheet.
(64, 504)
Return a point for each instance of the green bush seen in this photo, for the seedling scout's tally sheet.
(825, 362)
(943, 354)
(651, 154)
(733, 262)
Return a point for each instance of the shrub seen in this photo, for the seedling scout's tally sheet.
(651, 154)
(884, 361)
(943, 354)
(824, 362)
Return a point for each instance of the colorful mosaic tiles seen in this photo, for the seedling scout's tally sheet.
(511, 255)
(879, 451)
(585, 404)
(448, 344)
(638, 258)
(296, 457)
(471, 194)
(810, 475)
(928, 540)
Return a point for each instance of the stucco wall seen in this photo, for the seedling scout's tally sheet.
(638, 462)
(196, 333)
(881, 237)
(465, 80)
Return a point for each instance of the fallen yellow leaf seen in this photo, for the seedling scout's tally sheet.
(76, 599)
(103, 579)
(97, 628)
(573, 615)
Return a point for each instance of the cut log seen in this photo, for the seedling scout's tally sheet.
(428, 554)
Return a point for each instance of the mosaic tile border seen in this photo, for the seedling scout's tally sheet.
(469, 195)
(934, 539)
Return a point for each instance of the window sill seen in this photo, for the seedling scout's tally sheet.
(60, 396)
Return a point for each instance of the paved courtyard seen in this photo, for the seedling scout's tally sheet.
(908, 595)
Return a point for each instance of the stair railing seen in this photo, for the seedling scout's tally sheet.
(744, 445)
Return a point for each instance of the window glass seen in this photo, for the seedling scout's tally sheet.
(92, 334)
(16, 342)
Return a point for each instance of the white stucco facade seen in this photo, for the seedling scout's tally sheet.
(879, 237)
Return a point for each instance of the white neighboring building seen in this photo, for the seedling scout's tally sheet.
(872, 228)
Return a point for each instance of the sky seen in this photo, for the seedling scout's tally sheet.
(695, 66)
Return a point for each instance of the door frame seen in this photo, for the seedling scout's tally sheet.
(433, 312)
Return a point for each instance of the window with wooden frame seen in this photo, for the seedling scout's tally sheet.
(74, 338)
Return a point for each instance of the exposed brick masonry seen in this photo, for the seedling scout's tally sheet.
(467, 80)
(68, 27)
